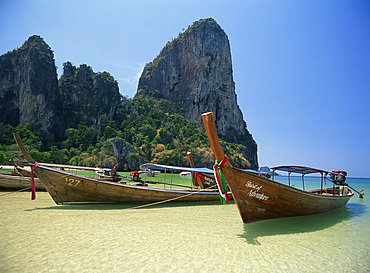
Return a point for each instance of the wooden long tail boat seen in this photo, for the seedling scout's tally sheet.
(259, 198)
(26, 172)
(12, 181)
(108, 174)
(204, 180)
(17, 182)
(69, 188)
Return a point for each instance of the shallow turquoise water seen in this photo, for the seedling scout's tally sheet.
(39, 236)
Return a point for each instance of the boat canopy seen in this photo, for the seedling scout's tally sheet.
(337, 177)
(174, 168)
(160, 167)
(299, 169)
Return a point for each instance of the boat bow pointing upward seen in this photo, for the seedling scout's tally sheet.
(259, 198)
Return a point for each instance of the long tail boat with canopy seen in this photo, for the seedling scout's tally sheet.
(259, 198)
(69, 188)
(202, 180)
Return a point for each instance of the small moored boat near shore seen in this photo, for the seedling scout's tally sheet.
(17, 182)
(259, 198)
(18, 178)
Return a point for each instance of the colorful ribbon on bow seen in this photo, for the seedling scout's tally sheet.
(220, 180)
(195, 180)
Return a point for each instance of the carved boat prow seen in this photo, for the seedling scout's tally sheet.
(259, 198)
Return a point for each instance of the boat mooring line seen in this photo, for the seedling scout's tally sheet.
(169, 200)
(1, 195)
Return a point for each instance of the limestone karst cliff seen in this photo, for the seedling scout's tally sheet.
(87, 95)
(29, 88)
(195, 71)
(30, 92)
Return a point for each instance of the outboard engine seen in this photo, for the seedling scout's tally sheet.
(338, 176)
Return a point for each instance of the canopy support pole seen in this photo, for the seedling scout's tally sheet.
(164, 183)
(171, 179)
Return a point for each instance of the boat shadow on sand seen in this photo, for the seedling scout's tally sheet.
(301, 224)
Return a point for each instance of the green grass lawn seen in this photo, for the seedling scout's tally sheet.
(169, 178)
(174, 180)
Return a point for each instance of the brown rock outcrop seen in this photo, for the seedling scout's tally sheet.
(29, 88)
(195, 72)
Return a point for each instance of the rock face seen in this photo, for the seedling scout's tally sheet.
(195, 71)
(87, 95)
(29, 88)
(125, 155)
(30, 92)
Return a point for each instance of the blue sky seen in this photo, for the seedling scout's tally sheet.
(301, 68)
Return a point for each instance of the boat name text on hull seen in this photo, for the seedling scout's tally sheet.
(254, 192)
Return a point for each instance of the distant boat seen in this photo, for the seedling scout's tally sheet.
(204, 180)
(186, 174)
(204, 176)
(69, 188)
(18, 180)
(108, 174)
(259, 198)
(24, 171)
(15, 182)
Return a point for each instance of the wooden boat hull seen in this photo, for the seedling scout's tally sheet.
(18, 182)
(67, 188)
(259, 198)
(23, 171)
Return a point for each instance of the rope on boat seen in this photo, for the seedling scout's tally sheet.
(171, 199)
(1, 195)
(361, 193)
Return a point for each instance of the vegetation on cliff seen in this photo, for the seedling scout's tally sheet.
(87, 95)
(155, 130)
